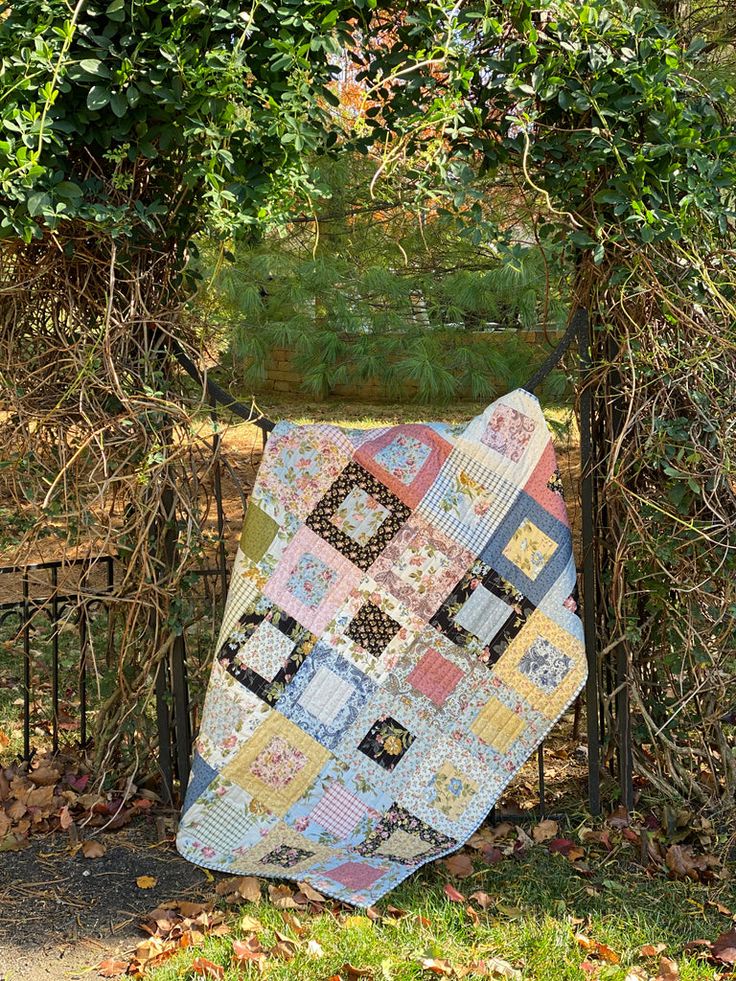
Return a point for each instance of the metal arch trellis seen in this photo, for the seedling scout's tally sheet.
(579, 329)
(173, 704)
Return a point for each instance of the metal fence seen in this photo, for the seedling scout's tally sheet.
(175, 708)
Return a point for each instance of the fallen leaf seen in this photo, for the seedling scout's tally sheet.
(93, 849)
(111, 968)
(724, 948)
(498, 968)
(146, 882)
(282, 897)
(246, 951)
(482, 899)
(544, 831)
(314, 949)
(44, 776)
(436, 966)
(452, 893)
(668, 970)
(65, 818)
(310, 894)
(351, 973)
(652, 950)
(249, 924)
(206, 969)
(459, 865)
(618, 818)
(597, 949)
(249, 889)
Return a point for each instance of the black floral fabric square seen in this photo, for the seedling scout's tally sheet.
(268, 690)
(372, 629)
(362, 551)
(286, 856)
(417, 842)
(386, 742)
(520, 609)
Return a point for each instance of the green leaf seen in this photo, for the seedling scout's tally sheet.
(95, 67)
(118, 104)
(97, 97)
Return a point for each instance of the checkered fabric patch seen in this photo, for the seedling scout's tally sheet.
(399, 636)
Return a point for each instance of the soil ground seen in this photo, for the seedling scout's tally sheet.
(62, 914)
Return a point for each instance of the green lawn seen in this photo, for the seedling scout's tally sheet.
(540, 903)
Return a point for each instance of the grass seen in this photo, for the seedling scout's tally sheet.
(541, 903)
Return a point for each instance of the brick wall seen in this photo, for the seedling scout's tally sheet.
(283, 376)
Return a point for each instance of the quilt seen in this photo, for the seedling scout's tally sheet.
(400, 634)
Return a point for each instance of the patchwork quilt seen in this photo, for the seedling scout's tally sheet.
(400, 635)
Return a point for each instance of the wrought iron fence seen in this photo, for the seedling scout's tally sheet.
(176, 710)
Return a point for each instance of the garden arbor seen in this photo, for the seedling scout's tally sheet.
(131, 128)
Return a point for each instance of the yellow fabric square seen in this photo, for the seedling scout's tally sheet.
(278, 763)
(497, 725)
(530, 549)
(454, 791)
(548, 703)
(403, 845)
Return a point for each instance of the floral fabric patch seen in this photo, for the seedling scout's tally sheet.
(400, 634)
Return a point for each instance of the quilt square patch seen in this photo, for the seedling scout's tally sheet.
(435, 676)
(265, 650)
(468, 500)
(339, 806)
(311, 580)
(544, 663)
(372, 629)
(406, 459)
(529, 549)
(509, 432)
(326, 695)
(284, 851)
(358, 516)
(483, 613)
(386, 742)
(402, 837)
(420, 566)
(277, 764)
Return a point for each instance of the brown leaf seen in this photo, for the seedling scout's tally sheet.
(310, 894)
(111, 968)
(250, 925)
(668, 970)
(545, 830)
(459, 865)
(284, 949)
(724, 948)
(597, 949)
(352, 973)
(436, 966)
(496, 967)
(482, 899)
(249, 889)
(294, 924)
(44, 776)
(65, 818)
(452, 893)
(618, 818)
(93, 849)
(206, 969)
(146, 881)
(395, 913)
(225, 886)
(245, 951)
(282, 897)
(15, 810)
(652, 950)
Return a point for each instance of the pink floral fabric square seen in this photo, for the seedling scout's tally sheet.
(406, 459)
(508, 432)
(311, 580)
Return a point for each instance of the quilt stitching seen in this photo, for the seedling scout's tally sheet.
(400, 634)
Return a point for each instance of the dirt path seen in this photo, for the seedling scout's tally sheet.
(61, 915)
